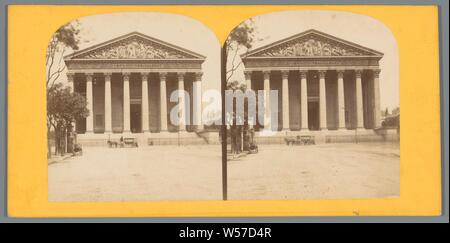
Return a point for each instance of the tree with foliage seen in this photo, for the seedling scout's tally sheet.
(396, 111)
(386, 112)
(64, 39)
(63, 108)
(240, 40)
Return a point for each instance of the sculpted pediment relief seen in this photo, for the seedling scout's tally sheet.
(134, 47)
(311, 45)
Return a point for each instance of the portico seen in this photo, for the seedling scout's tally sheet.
(324, 83)
(128, 83)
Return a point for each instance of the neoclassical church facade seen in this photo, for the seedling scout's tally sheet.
(324, 83)
(127, 82)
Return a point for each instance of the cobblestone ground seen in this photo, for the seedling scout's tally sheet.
(194, 173)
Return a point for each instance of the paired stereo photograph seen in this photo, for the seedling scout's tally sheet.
(136, 109)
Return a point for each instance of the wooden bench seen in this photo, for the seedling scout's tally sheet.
(130, 142)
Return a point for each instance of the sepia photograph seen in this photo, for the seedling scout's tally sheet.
(125, 115)
(134, 109)
(227, 112)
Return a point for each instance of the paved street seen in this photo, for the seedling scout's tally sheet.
(194, 173)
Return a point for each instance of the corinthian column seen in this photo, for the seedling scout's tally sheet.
(181, 105)
(376, 97)
(248, 79)
(304, 100)
(163, 101)
(144, 107)
(90, 104)
(267, 108)
(285, 99)
(108, 123)
(359, 101)
(322, 100)
(126, 102)
(70, 80)
(70, 77)
(248, 84)
(197, 93)
(341, 101)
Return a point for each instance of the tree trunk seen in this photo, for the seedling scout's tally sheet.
(233, 138)
(246, 139)
(62, 140)
(239, 139)
(56, 139)
(70, 139)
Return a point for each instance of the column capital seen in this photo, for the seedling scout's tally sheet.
(89, 77)
(126, 75)
(145, 74)
(198, 76)
(70, 76)
(376, 73)
(181, 75)
(340, 73)
(162, 76)
(303, 73)
(322, 73)
(248, 74)
(358, 73)
(284, 74)
(266, 74)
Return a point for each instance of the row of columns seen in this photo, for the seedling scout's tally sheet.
(322, 98)
(197, 89)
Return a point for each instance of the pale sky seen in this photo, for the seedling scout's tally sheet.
(360, 29)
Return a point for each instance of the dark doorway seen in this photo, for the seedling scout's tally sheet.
(135, 119)
(313, 115)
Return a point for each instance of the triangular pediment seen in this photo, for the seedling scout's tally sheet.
(134, 46)
(312, 43)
